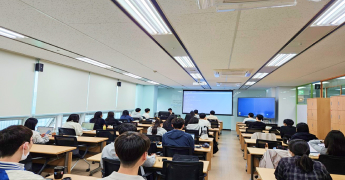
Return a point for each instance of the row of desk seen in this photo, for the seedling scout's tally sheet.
(251, 153)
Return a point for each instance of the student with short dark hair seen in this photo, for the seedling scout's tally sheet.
(132, 149)
(98, 120)
(212, 116)
(300, 166)
(15, 145)
(146, 114)
(334, 144)
(109, 150)
(204, 124)
(125, 115)
(250, 118)
(167, 124)
(170, 111)
(193, 124)
(177, 137)
(137, 114)
(37, 138)
(196, 112)
(258, 124)
(287, 130)
(110, 120)
(303, 133)
(73, 123)
(157, 128)
(188, 117)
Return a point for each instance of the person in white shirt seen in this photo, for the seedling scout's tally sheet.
(132, 149)
(203, 123)
(196, 112)
(212, 116)
(146, 114)
(250, 118)
(137, 114)
(109, 150)
(157, 128)
(37, 138)
(193, 124)
(16, 142)
(73, 123)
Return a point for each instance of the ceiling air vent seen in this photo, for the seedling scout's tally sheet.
(232, 72)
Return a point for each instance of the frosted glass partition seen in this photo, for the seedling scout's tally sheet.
(61, 90)
(17, 82)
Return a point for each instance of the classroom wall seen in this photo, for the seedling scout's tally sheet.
(147, 98)
(173, 98)
(60, 89)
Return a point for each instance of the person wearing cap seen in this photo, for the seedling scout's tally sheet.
(136, 114)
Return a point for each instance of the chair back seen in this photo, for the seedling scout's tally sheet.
(136, 118)
(271, 144)
(155, 138)
(333, 164)
(123, 120)
(67, 141)
(173, 170)
(169, 151)
(66, 131)
(135, 123)
(275, 131)
(153, 148)
(253, 130)
(274, 126)
(196, 135)
(110, 134)
(111, 165)
(214, 124)
(248, 122)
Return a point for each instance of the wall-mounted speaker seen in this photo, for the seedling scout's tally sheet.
(317, 86)
(39, 67)
(119, 84)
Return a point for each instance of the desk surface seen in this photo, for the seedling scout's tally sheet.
(245, 135)
(261, 151)
(86, 139)
(268, 174)
(253, 141)
(96, 158)
(202, 149)
(77, 177)
(213, 129)
(50, 149)
(138, 128)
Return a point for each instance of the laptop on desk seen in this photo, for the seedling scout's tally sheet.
(87, 126)
(43, 130)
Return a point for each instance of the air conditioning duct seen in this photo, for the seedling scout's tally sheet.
(232, 72)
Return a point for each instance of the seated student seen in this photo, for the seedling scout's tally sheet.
(334, 144)
(303, 133)
(109, 150)
(203, 123)
(212, 116)
(157, 128)
(73, 123)
(167, 124)
(15, 145)
(110, 120)
(258, 124)
(132, 149)
(196, 113)
(146, 114)
(125, 115)
(177, 137)
(37, 138)
(188, 118)
(300, 166)
(194, 125)
(98, 120)
(250, 118)
(287, 129)
(137, 114)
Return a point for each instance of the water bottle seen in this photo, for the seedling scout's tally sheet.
(104, 127)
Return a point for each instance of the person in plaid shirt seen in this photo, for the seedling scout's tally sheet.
(300, 166)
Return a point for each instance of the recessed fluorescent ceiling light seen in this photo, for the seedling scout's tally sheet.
(300, 87)
(334, 16)
(146, 14)
(10, 34)
(132, 75)
(196, 75)
(320, 83)
(341, 77)
(152, 82)
(280, 59)
(250, 83)
(259, 75)
(90, 61)
(184, 61)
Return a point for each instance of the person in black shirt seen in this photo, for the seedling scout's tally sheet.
(258, 124)
(97, 119)
(287, 130)
(167, 124)
(110, 120)
(303, 133)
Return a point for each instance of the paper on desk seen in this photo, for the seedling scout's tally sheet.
(312, 150)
